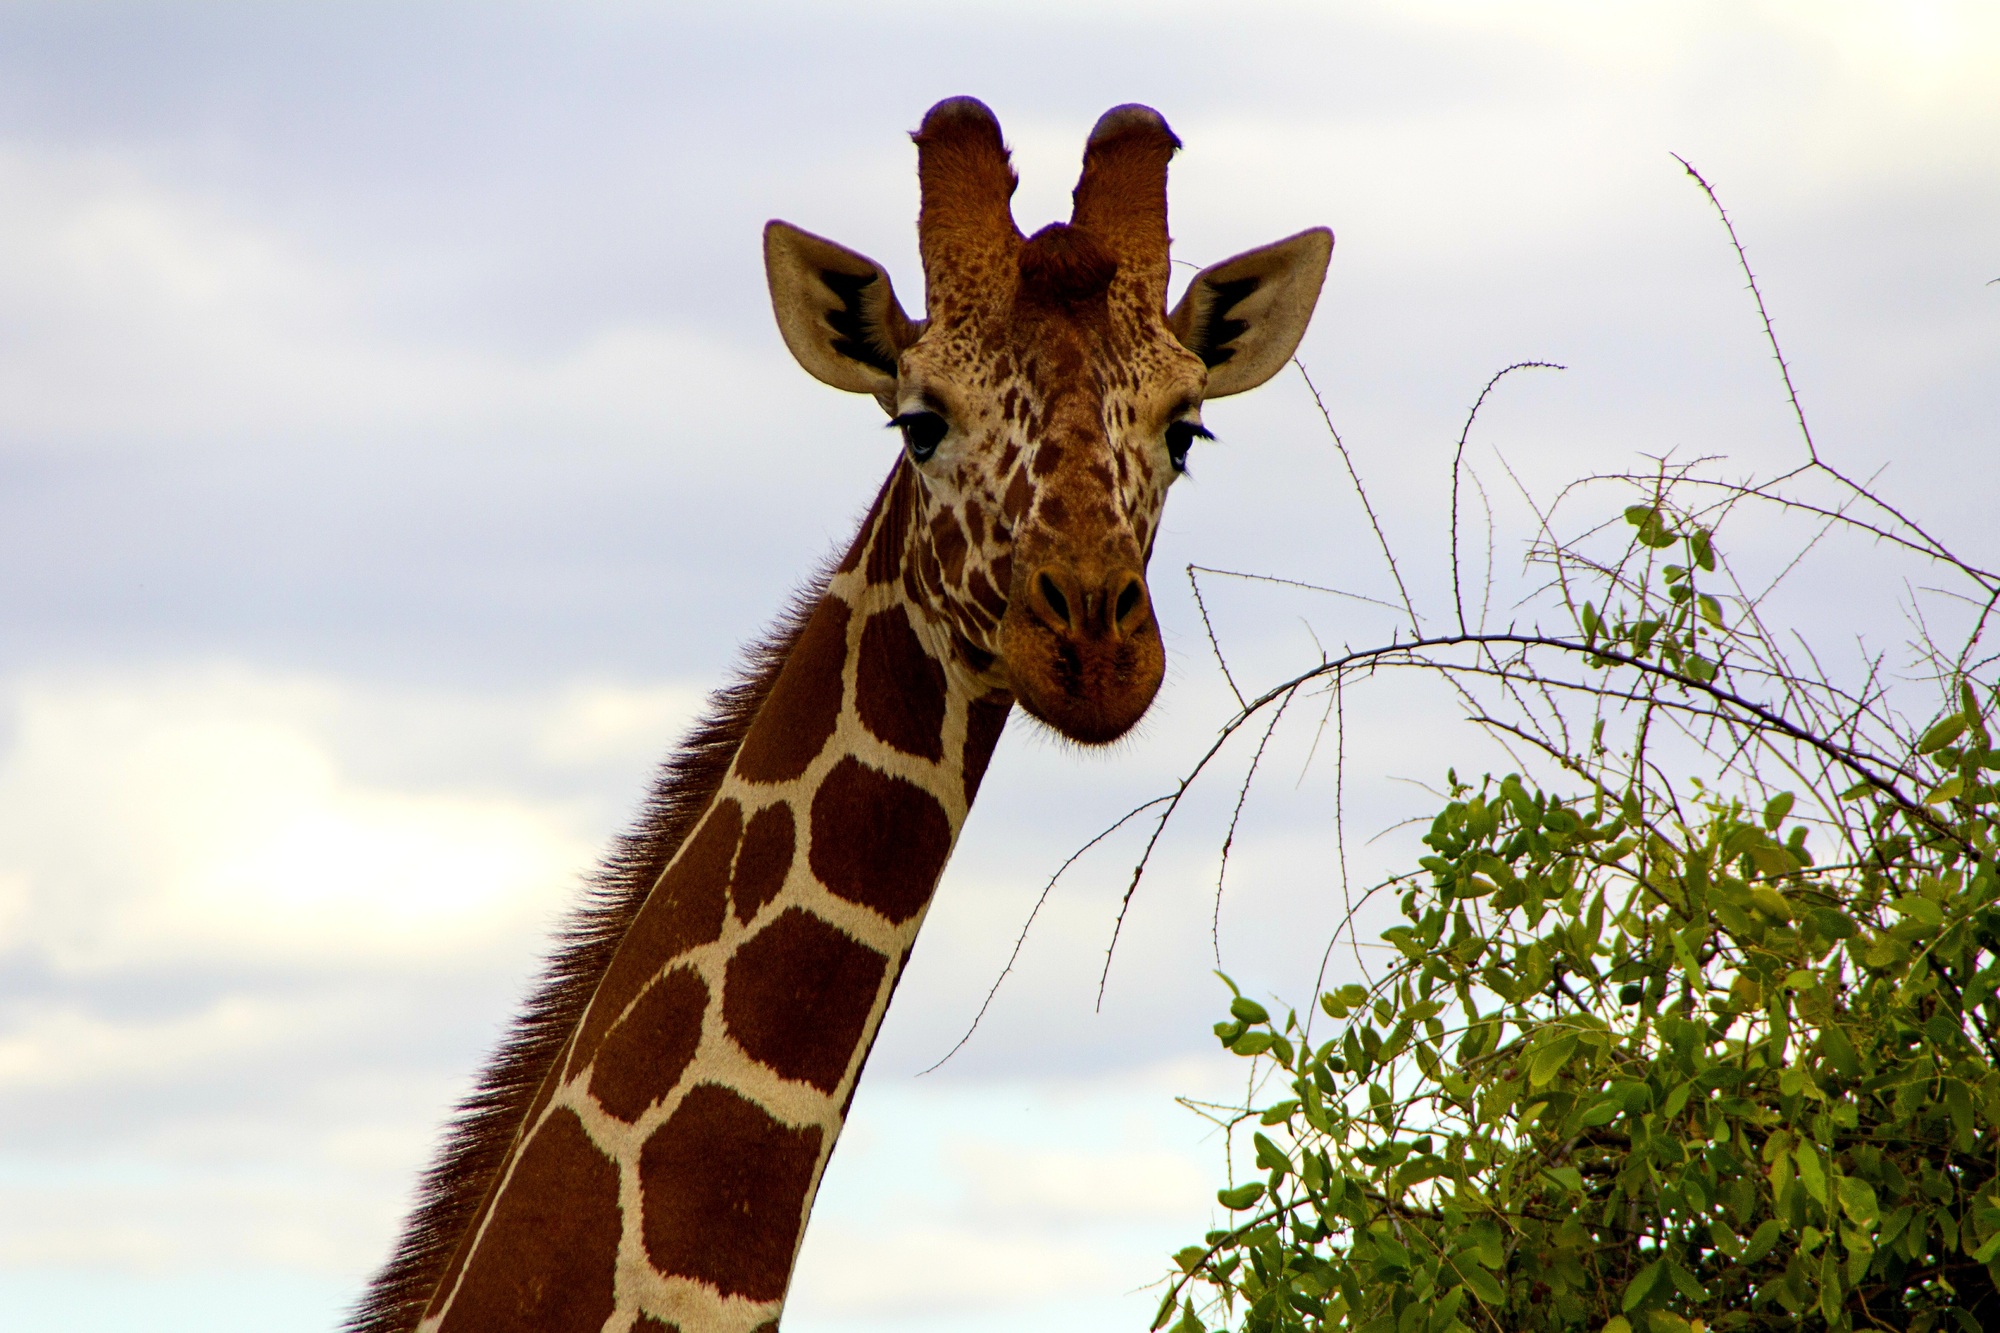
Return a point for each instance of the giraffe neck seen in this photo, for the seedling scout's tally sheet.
(663, 1173)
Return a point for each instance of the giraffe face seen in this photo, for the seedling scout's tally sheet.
(1042, 437)
(1046, 403)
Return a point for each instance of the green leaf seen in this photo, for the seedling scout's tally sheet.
(1243, 1196)
(1839, 1051)
(1551, 1058)
(1604, 1111)
(1483, 1285)
(1769, 899)
(1942, 733)
(1568, 1177)
(1641, 1286)
(1857, 1200)
(1248, 1010)
(1688, 1287)
(1811, 1174)
(1777, 808)
(1985, 1253)
(1918, 909)
(1947, 790)
(1771, 859)
(1270, 1157)
(1711, 610)
(1832, 922)
(1761, 1240)
(1617, 1324)
(1488, 1246)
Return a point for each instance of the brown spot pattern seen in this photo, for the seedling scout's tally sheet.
(1020, 492)
(798, 996)
(885, 553)
(724, 1187)
(765, 860)
(550, 1082)
(547, 1260)
(798, 718)
(877, 840)
(985, 595)
(646, 1053)
(949, 545)
(684, 910)
(899, 688)
(984, 720)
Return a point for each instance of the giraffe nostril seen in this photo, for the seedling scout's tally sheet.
(1128, 602)
(1053, 596)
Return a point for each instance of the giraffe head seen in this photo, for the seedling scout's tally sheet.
(1047, 401)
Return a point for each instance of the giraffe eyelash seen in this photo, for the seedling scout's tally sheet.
(1181, 436)
(923, 431)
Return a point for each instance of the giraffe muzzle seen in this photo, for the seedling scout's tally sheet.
(1082, 649)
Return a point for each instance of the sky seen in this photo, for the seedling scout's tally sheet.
(395, 446)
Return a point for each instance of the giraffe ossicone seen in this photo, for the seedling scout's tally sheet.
(644, 1149)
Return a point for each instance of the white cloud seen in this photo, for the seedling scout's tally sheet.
(236, 904)
(600, 723)
(207, 816)
(56, 1047)
(903, 1270)
(157, 314)
(1051, 1201)
(1071, 1185)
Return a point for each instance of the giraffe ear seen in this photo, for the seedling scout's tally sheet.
(1244, 317)
(836, 311)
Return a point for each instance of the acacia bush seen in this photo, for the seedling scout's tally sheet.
(1698, 1028)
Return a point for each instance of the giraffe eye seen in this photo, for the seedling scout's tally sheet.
(922, 433)
(1180, 436)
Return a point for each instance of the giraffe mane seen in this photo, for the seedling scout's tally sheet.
(480, 1135)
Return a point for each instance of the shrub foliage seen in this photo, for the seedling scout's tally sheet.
(1652, 1052)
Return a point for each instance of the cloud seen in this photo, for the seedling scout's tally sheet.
(147, 314)
(204, 818)
(1073, 1185)
(1047, 1200)
(905, 1270)
(238, 910)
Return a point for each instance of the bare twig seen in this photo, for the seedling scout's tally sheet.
(1457, 461)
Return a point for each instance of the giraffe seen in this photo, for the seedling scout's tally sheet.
(643, 1152)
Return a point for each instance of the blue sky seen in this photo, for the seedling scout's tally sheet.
(395, 444)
